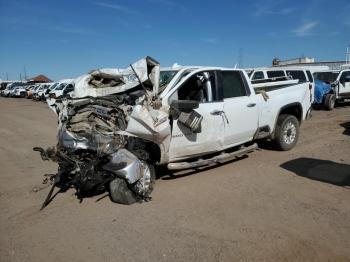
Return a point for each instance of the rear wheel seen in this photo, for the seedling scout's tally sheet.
(329, 101)
(287, 132)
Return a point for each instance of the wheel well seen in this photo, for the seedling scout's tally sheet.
(144, 149)
(293, 109)
(154, 151)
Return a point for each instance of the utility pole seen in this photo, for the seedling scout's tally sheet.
(240, 57)
(7, 77)
(25, 73)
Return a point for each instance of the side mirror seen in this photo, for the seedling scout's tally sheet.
(184, 105)
(183, 111)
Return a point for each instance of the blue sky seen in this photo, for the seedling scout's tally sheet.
(68, 38)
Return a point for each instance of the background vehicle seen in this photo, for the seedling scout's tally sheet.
(47, 91)
(38, 93)
(334, 87)
(7, 91)
(31, 90)
(19, 91)
(62, 88)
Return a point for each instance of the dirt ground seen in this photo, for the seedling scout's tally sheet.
(269, 206)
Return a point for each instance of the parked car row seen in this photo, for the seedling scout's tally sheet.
(39, 92)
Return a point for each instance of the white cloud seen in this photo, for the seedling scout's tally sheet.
(210, 40)
(272, 8)
(71, 30)
(169, 4)
(305, 29)
(115, 7)
(163, 2)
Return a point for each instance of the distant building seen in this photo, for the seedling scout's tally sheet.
(40, 79)
(307, 61)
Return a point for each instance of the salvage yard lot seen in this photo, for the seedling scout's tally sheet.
(270, 206)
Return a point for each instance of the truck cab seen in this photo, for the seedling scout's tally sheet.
(343, 84)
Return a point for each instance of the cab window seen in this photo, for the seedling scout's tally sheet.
(258, 75)
(273, 74)
(296, 74)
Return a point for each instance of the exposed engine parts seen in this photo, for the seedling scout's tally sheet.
(96, 152)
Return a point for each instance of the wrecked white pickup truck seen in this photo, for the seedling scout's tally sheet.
(120, 123)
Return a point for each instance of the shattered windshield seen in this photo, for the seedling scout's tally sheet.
(166, 76)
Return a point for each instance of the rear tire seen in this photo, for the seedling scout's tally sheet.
(329, 101)
(286, 132)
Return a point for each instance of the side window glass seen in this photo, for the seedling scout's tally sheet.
(200, 87)
(297, 75)
(258, 75)
(233, 85)
(311, 79)
(273, 74)
(345, 77)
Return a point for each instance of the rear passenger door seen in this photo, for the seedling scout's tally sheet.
(240, 110)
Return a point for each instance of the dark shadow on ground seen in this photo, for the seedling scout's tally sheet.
(342, 104)
(346, 125)
(320, 170)
(267, 144)
(166, 174)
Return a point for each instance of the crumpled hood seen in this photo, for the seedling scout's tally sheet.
(107, 81)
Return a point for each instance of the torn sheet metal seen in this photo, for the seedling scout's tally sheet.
(107, 81)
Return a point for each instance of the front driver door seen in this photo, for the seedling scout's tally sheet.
(185, 143)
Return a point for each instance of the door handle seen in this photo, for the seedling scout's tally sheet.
(216, 112)
(251, 105)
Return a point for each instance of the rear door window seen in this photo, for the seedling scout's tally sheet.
(273, 74)
(233, 85)
(309, 75)
(297, 74)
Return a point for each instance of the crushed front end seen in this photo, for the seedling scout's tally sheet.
(96, 151)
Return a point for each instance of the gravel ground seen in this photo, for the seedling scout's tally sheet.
(269, 206)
